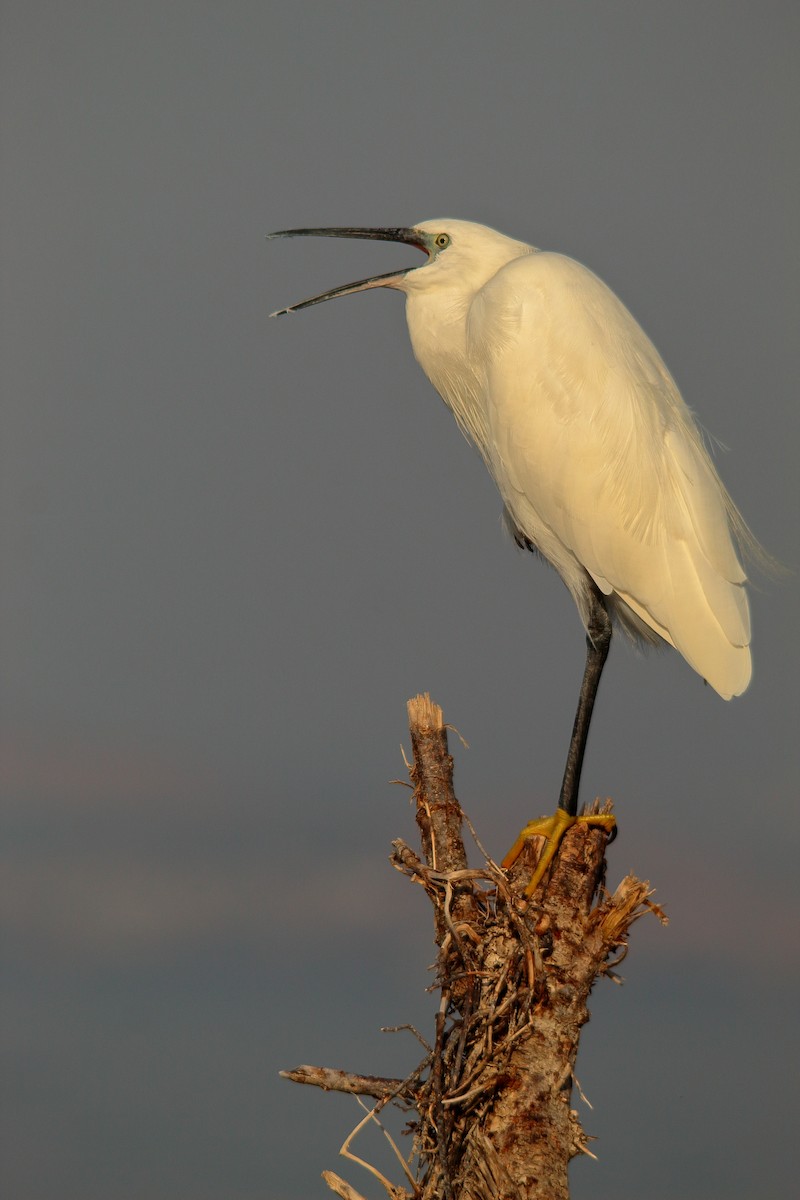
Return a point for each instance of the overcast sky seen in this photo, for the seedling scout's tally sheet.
(232, 548)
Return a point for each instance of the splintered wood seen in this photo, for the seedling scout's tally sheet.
(492, 1098)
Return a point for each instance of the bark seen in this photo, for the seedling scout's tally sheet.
(493, 1097)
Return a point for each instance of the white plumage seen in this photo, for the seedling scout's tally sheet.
(600, 464)
(598, 460)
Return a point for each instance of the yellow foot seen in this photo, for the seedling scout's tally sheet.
(553, 828)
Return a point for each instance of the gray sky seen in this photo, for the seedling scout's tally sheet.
(232, 548)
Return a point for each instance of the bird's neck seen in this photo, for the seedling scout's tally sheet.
(437, 326)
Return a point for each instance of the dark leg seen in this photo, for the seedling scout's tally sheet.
(553, 828)
(598, 641)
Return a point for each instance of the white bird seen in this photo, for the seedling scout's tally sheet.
(599, 462)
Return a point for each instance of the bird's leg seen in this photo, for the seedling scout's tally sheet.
(598, 640)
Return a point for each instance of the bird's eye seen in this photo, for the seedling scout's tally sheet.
(441, 240)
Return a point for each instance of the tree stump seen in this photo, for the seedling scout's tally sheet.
(493, 1097)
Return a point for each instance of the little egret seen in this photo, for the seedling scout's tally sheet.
(599, 463)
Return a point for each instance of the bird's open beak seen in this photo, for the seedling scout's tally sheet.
(412, 237)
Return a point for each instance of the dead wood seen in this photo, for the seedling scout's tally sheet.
(492, 1098)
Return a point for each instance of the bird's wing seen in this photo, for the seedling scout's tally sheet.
(600, 463)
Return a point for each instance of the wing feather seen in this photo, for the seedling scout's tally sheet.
(600, 463)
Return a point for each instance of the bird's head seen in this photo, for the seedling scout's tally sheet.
(460, 254)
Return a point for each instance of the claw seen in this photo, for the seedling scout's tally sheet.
(553, 829)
